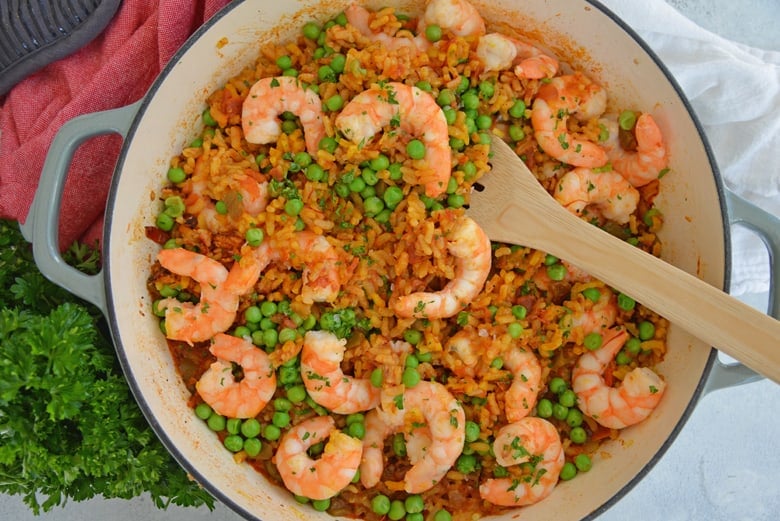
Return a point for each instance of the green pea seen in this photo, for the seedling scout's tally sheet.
(373, 205)
(583, 462)
(567, 398)
(425, 357)
(625, 302)
(486, 90)
(320, 505)
(413, 336)
(574, 418)
(233, 425)
(293, 207)
(341, 19)
(516, 133)
(455, 201)
(416, 149)
(592, 294)
(254, 237)
(450, 115)
(221, 207)
(559, 411)
(633, 346)
(380, 504)
(203, 411)
(282, 404)
(471, 126)
(271, 432)
(328, 144)
(515, 329)
(399, 445)
(424, 85)
(392, 196)
(592, 341)
(627, 119)
(472, 431)
(250, 428)
(466, 463)
(268, 308)
(519, 311)
(315, 172)
(414, 504)
(568, 471)
(397, 510)
(208, 120)
(442, 515)
(253, 314)
(517, 110)
(544, 408)
(470, 100)
(411, 361)
(281, 419)
(380, 162)
(165, 222)
(301, 499)
(216, 422)
(311, 30)
(252, 447)
(578, 435)
(168, 291)
(646, 330)
(270, 338)
(556, 272)
(233, 442)
(457, 144)
(410, 377)
(338, 62)
(377, 377)
(171, 244)
(622, 358)
(484, 122)
(284, 62)
(176, 175)
(395, 171)
(357, 185)
(357, 430)
(326, 73)
(334, 103)
(497, 363)
(445, 98)
(433, 33)
(296, 394)
(288, 127)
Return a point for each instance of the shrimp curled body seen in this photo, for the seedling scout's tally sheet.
(219, 388)
(324, 380)
(443, 422)
(532, 440)
(415, 112)
(470, 246)
(322, 478)
(607, 192)
(648, 161)
(615, 407)
(269, 98)
(498, 52)
(521, 396)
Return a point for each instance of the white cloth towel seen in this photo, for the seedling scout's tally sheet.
(735, 92)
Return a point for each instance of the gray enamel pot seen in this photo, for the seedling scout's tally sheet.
(698, 211)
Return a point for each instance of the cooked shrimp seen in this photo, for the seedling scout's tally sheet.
(471, 249)
(533, 441)
(416, 113)
(321, 358)
(216, 309)
(322, 478)
(526, 372)
(606, 192)
(649, 159)
(268, 98)
(360, 18)
(597, 316)
(457, 16)
(499, 52)
(614, 407)
(319, 259)
(431, 404)
(466, 347)
(228, 395)
(576, 95)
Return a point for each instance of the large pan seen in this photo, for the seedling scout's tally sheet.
(697, 207)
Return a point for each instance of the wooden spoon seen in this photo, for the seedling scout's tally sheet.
(513, 207)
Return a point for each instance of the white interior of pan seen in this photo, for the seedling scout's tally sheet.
(693, 237)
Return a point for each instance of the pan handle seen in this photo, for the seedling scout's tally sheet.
(767, 227)
(41, 227)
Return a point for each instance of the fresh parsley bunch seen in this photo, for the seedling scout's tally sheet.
(69, 426)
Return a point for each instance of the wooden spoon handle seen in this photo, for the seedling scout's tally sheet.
(706, 312)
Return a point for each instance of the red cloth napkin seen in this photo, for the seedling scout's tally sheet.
(113, 70)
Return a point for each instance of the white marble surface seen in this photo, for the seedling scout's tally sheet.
(722, 466)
